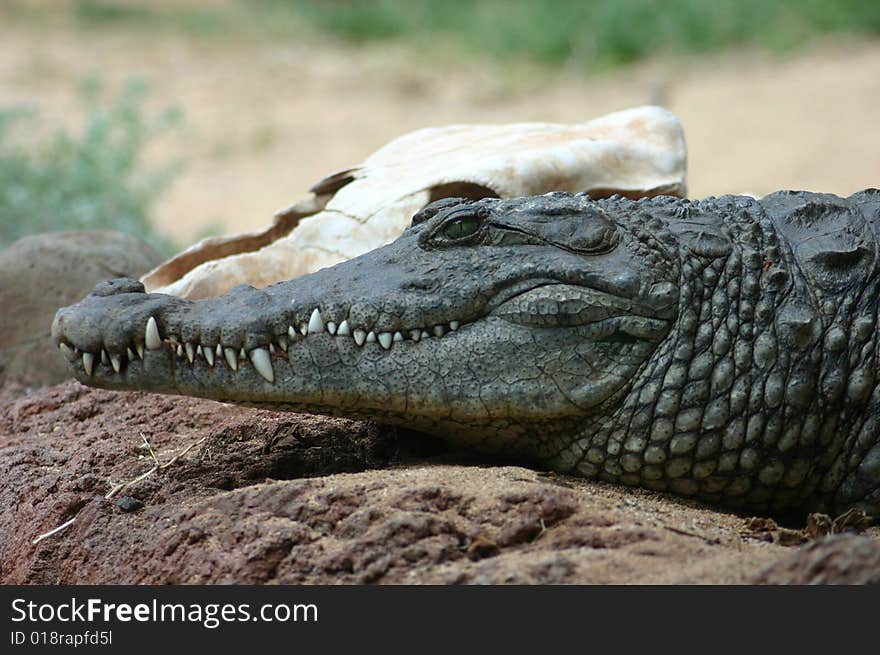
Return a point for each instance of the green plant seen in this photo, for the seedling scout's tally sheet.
(94, 179)
(588, 35)
(593, 34)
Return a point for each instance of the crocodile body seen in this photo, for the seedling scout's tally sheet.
(724, 349)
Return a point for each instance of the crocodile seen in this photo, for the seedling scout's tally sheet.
(724, 349)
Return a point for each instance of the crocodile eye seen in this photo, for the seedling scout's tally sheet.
(458, 227)
(461, 227)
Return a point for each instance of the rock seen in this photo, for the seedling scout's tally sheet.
(256, 496)
(39, 274)
(129, 504)
(637, 152)
(836, 559)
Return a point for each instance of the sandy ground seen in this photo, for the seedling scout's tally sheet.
(266, 120)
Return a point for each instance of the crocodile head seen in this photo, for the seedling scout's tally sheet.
(488, 321)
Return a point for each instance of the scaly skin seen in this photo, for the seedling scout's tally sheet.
(724, 349)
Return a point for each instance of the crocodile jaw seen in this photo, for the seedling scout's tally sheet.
(449, 379)
(506, 342)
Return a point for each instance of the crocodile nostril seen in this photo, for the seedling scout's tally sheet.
(421, 285)
(117, 286)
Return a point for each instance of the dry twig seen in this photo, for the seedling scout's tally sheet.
(122, 485)
(53, 531)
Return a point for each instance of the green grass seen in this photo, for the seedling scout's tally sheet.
(95, 178)
(593, 34)
(588, 35)
(192, 19)
(89, 180)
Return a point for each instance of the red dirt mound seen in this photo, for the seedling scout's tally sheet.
(236, 495)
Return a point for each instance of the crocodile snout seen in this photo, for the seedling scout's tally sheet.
(117, 286)
(108, 325)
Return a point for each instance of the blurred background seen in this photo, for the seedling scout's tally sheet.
(176, 119)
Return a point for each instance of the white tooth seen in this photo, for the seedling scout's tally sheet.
(304, 328)
(88, 362)
(438, 330)
(331, 327)
(115, 362)
(104, 359)
(398, 336)
(219, 350)
(140, 350)
(343, 330)
(231, 358)
(130, 353)
(291, 332)
(415, 335)
(151, 336)
(190, 352)
(68, 353)
(371, 336)
(385, 339)
(316, 323)
(272, 348)
(262, 363)
(242, 355)
(199, 351)
(179, 350)
(359, 336)
(453, 325)
(209, 356)
(425, 334)
(282, 341)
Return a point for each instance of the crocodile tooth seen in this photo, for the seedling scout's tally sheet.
(425, 334)
(282, 341)
(68, 353)
(242, 355)
(304, 328)
(343, 330)
(116, 363)
(209, 356)
(415, 335)
(398, 336)
(371, 336)
(140, 350)
(438, 330)
(178, 350)
(291, 332)
(88, 362)
(199, 351)
(190, 352)
(316, 323)
(130, 353)
(262, 363)
(151, 335)
(104, 359)
(385, 339)
(453, 325)
(331, 327)
(359, 336)
(219, 350)
(271, 348)
(231, 358)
